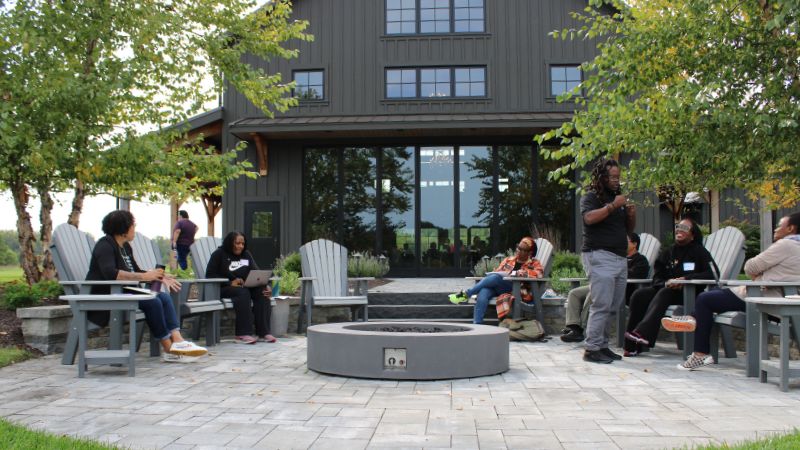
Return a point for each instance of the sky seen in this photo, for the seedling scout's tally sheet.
(152, 219)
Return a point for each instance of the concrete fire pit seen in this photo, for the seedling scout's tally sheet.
(407, 350)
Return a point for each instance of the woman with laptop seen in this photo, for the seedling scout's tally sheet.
(250, 303)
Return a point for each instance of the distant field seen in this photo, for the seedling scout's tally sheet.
(10, 273)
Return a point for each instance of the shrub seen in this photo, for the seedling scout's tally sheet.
(18, 294)
(567, 260)
(489, 264)
(179, 273)
(563, 287)
(367, 266)
(47, 289)
(289, 283)
(289, 263)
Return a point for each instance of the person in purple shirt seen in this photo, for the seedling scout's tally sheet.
(183, 237)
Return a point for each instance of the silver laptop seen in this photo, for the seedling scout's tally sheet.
(258, 278)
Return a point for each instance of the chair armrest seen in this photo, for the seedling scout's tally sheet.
(572, 280)
(535, 280)
(639, 280)
(474, 278)
(361, 279)
(100, 283)
(307, 278)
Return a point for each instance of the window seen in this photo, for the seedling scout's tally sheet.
(563, 79)
(436, 82)
(309, 85)
(401, 83)
(401, 17)
(434, 16)
(471, 82)
(467, 16)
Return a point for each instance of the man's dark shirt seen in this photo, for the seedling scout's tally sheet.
(609, 234)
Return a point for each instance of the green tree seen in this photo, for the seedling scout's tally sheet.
(88, 90)
(701, 93)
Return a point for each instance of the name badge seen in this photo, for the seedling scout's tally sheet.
(688, 267)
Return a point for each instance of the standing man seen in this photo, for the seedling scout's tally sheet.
(183, 237)
(607, 219)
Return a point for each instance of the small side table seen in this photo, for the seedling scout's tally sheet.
(787, 310)
(82, 303)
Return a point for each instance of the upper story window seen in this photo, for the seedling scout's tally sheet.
(467, 16)
(564, 78)
(401, 16)
(434, 16)
(309, 85)
(436, 82)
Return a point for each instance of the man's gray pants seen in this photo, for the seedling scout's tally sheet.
(607, 275)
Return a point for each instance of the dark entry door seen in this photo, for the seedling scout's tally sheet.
(262, 230)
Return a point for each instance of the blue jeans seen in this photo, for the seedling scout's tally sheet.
(160, 315)
(491, 286)
(183, 252)
(708, 303)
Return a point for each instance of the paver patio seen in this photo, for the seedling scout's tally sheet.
(263, 396)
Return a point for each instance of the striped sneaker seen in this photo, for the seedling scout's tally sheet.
(679, 324)
(695, 362)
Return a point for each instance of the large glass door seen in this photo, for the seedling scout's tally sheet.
(437, 239)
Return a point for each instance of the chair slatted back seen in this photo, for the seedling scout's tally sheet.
(726, 246)
(201, 252)
(649, 246)
(72, 250)
(145, 252)
(326, 261)
(544, 253)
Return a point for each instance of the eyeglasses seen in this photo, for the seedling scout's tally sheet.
(610, 178)
(523, 249)
(682, 227)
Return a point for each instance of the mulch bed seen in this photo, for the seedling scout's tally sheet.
(11, 328)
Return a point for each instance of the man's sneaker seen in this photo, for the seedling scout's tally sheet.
(573, 335)
(596, 356)
(607, 351)
(695, 362)
(458, 297)
(187, 348)
(679, 324)
(636, 337)
(244, 339)
(176, 358)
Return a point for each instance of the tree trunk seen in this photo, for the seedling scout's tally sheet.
(77, 204)
(28, 261)
(46, 234)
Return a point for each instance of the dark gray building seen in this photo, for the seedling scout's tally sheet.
(414, 133)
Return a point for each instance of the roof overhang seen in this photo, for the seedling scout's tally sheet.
(518, 124)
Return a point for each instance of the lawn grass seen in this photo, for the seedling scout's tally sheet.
(10, 273)
(17, 437)
(10, 356)
(789, 441)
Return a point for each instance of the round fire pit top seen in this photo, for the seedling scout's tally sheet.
(408, 350)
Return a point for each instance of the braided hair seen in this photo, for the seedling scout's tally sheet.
(600, 177)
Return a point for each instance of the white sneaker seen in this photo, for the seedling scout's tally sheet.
(695, 362)
(187, 348)
(175, 358)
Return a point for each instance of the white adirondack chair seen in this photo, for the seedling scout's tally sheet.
(72, 251)
(147, 255)
(649, 247)
(324, 281)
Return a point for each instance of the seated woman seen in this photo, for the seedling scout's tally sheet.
(251, 305)
(112, 259)
(780, 262)
(687, 259)
(522, 264)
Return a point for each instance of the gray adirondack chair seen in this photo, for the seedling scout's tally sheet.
(324, 281)
(209, 290)
(147, 255)
(72, 251)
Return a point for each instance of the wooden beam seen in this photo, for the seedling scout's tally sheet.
(262, 150)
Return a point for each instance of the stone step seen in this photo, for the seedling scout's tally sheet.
(420, 298)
